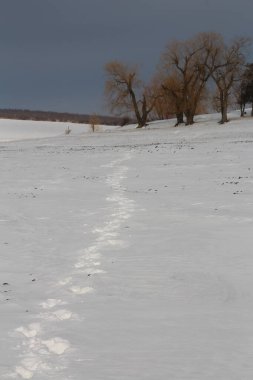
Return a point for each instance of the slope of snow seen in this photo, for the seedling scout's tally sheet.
(13, 130)
(127, 255)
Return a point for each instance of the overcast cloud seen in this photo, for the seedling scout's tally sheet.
(53, 51)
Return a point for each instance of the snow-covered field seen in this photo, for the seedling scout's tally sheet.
(127, 254)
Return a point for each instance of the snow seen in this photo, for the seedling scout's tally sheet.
(14, 130)
(126, 254)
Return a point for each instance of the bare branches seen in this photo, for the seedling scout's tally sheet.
(180, 86)
(120, 80)
(126, 93)
(229, 64)
(192, 62)
(197, 60)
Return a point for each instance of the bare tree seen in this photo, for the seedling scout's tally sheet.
(173, 93)
(94, 121)
(67, 131)
(229, 66)
(171, 100)
(160, 110)
(192, 63)
(244, 89)
(227, 71)
(126, 93)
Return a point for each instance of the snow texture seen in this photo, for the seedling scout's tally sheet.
(126, 254)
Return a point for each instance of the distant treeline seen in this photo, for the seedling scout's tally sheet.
(61, 116)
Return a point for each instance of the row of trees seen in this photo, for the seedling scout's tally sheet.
(187, 73)
(65, 117)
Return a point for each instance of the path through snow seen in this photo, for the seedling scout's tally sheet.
(43, 356)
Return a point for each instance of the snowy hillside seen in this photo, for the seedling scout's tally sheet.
(126, 255)
(13, 130)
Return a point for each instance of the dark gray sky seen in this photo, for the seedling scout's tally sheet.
(53, 51)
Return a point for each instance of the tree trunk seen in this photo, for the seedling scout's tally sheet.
(242, 109)
(224, 116)
(135, 106)
(142, 121)
(224, 108)
(142, 124)
(189, 118)
(180, 118)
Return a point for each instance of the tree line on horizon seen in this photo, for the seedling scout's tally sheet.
(192, 75)
(62, 117)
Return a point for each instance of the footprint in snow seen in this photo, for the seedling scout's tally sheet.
(62, 314)
(28, 366)
(56, 345)
(31, 331)
(51, 302)
(91, 271)
(66, 281)
(79, 290)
